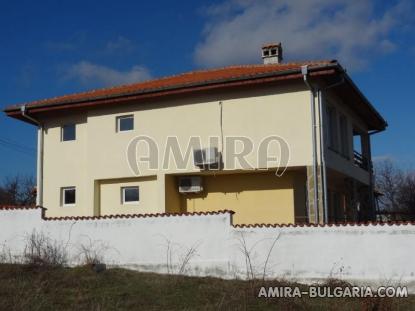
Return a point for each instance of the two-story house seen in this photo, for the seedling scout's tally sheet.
(320, 121)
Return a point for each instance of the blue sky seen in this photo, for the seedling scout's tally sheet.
(51, 48)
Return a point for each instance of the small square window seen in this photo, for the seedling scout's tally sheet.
(68, 132)
(68, 196)
(130, 195)
(125, 123)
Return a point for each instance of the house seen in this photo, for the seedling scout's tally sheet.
(317, 123)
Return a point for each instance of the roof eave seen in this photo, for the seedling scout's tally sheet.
(382, 122)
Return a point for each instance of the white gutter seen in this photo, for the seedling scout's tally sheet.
(39, 174)
(304, 71)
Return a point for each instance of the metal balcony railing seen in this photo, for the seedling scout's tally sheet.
(361, 161)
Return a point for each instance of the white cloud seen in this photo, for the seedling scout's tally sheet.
(90, 74)
(383, 158)
(120, 44)
(352, 31)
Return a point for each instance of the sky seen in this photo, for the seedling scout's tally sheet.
(52, 48)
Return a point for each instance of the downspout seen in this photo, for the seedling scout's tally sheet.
(39, 181)
(323, 156)
(304, 71)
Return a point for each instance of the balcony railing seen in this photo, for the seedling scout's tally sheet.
(361, 161)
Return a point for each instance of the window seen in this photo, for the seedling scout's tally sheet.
(125, 123)
(68, 132)
(130, 195)
(68, 196)
(332, 137)
(344, 136)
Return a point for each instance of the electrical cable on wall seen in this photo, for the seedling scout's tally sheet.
(221, 127)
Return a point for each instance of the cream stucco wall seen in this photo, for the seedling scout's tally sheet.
(99, 152)
(65, 166)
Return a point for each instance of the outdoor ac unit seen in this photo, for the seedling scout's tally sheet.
(206, 157)
(190, 184)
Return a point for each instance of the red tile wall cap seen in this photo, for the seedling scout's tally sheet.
(13, 207)
(118, 216)
(257, 225)
(345, 224)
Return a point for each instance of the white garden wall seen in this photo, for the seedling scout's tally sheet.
(368, 255)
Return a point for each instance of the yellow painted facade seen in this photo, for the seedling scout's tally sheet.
(254, 197)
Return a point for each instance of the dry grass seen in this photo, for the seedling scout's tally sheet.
(24, 287)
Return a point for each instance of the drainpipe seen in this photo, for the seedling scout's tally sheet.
(39, 181)
(304, 71)
(323, 156)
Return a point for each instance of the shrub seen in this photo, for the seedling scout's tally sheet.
(40, 250)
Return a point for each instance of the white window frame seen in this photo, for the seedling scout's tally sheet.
(118, 121)
(123, 202)
(62, 129)
(63, 191)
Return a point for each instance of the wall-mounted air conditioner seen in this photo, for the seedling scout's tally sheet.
(206, 157)
(190, 184)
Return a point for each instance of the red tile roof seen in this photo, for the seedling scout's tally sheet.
(184, 80)
(204, 80)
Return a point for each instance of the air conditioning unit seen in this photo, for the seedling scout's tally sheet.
(206, 157)
(190, 184)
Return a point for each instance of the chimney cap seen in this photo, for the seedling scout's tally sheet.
(271, 45)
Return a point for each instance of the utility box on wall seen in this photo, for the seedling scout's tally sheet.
(190, 184)
(205, 158)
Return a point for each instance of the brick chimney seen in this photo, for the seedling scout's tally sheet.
(272, 53)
